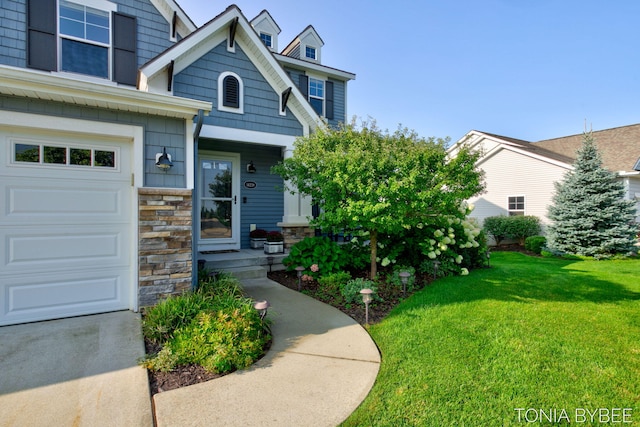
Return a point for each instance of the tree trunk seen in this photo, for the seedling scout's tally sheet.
(373, 239)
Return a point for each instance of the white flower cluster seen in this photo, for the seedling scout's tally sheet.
(443, 238)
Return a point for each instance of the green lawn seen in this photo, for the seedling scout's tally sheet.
(527, 333)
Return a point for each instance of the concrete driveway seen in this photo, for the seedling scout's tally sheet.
(81, 371)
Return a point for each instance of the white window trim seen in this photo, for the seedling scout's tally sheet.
(315, 51)
(524, 201)
(221, 106)
(103, 5)
(324, 92)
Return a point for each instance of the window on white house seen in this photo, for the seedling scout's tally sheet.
(266, 39)
(310, 52)
(85, 40)
(316, 95)
(516, 205)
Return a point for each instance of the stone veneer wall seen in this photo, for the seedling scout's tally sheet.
(293, 234)
(164, 249)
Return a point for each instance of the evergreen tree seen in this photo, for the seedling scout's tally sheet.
(589, 213)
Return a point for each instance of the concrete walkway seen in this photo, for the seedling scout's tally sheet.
(81, 371)
(84, 371)
(320, 367)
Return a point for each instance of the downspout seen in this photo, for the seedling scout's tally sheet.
(195, 215)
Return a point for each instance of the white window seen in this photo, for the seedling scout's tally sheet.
(316, 95)
(85, 37)
(310, 52)
(516, 205)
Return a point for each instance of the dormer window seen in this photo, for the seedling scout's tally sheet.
(310, 52)
(266, 39)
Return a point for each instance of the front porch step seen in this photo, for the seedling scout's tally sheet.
(243, 264)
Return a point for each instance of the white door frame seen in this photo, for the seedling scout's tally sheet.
(232, 243)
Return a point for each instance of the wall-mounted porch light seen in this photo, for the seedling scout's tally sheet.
(251, 168)
(163, 160)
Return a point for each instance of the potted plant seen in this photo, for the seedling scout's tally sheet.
(258, 237)
(274, 243)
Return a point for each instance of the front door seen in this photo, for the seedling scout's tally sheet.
(219, 190)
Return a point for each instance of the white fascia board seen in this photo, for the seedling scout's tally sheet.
(167, 8)
(306, 65)
(628, 174)
(34, 84)
(250, 136)
(525, 153)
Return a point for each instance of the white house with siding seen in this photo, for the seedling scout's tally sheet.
(520, 175)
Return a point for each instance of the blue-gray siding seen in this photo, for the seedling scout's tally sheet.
(261, 102)
(264, 205)
(152, 29)
(159, 132)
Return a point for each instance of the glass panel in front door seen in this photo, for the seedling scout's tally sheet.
(216, 199)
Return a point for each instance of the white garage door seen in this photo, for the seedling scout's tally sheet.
(65, 225)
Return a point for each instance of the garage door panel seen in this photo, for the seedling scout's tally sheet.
(54, 202)
(43, 297)
(66, 248)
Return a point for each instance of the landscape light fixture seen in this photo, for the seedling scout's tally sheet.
(366, 299)
(262, 307)
(404, 277)
(299, 270)
(163, 160)
(488, 258)
(436, 265)
(270, 262)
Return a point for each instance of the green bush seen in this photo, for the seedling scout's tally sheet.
(215, 327)
(520, 227)
(321, 251)
(330, 286)
(220, 342)
(351, 290)
(497, 227)
(517, 227)
(535, 243)
(162, 320)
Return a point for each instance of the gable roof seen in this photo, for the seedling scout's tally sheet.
(619, 147)
(154, 75)
(534, 148)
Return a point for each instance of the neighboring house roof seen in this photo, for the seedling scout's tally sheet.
(535, 149)
(619, 147)
(154, 75)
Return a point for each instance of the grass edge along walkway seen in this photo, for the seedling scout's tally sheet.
(554, 336)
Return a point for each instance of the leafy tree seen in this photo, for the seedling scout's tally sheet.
(589, 213)
(367, 179)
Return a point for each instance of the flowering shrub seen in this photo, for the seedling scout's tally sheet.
(455, 241)
(275, 236)
(258, 233)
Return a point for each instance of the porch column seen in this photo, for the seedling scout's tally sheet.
(297, 210)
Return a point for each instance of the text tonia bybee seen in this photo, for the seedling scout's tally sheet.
(578, 415)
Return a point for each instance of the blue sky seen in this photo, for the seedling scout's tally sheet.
(527, 69)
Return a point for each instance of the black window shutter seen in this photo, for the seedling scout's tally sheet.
(231, 95)
(41, 35)
(304, 86)
(125, 67)
(328, 110)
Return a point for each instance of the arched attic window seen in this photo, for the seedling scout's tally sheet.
(230, 93)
